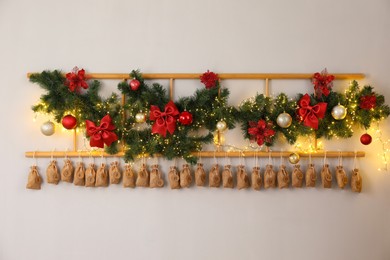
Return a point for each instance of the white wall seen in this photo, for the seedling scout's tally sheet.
(66, 222)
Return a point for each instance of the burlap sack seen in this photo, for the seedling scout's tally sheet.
(256, 178)
(143, 177)
(341, 177)
(102, 176)
(227, 177)
(269, 177)
(185, 176)
(326, 177)
(174, 178)
(128, 177)
(283, 177)
(200, 175)
(156, 179)
(79, 175)
(311, 176)
(242, 178)
(356, 181)
(90, 175)
(34, 180)
(214, 176)
(52, 174)
(115, 173)
(297, 176)
(67, 171)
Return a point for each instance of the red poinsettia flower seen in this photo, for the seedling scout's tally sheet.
(323, 83)
(76, 80)
(261, 132)
(209, 79)
(367, 102)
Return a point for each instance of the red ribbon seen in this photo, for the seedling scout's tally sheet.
(102, 134)
(165, 121)
(76, 80)
(310, 114)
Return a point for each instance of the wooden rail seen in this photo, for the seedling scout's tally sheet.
(169, 76)
(329, 154)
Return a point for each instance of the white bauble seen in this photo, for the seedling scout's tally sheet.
(48, 128)
(339, 112)
(284, 120)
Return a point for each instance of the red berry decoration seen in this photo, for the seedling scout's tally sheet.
(185, 118)
(366, 139)
(134, 84)
(69, 122)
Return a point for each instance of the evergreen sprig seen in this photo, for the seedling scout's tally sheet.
(365, 117)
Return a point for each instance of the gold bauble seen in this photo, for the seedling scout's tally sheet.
(293, 158)
(221, 126)
(140, 118)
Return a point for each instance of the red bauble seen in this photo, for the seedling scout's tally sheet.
(366, 139)
(69, 122)
(134, 84)
(185, 118)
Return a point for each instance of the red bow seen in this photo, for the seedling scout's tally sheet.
(310, 114)
(76, 80)
(102, 134)
(322, 83)
(165, 121)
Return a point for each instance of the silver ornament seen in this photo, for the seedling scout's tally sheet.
(221, 125)
(293, 158)
(339, 112)
(48, 128)
(284, 120)
(140, 118)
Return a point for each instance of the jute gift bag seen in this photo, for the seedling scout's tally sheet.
(227, 177)
(115, 173)
(214, 176)
(79, 174)
(102, 176)
(128, 177)
(341, 176)
(185, 176)
(67, 171)
(326, 177)
(156, 180)
(283, 177)
(143, 177)
(174, 178)
(200, 175)
(311, 176)
(256, 178)
(297, 176)
(52, 174)
(356, 181)
(242, 177)
(90, 175)
(34, 180)
(269, 177)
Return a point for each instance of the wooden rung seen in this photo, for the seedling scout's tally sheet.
(329, 154)
(169, 76)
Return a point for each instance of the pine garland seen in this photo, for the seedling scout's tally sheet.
(208, 106)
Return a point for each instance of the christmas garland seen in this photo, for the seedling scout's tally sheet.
(149, 123)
